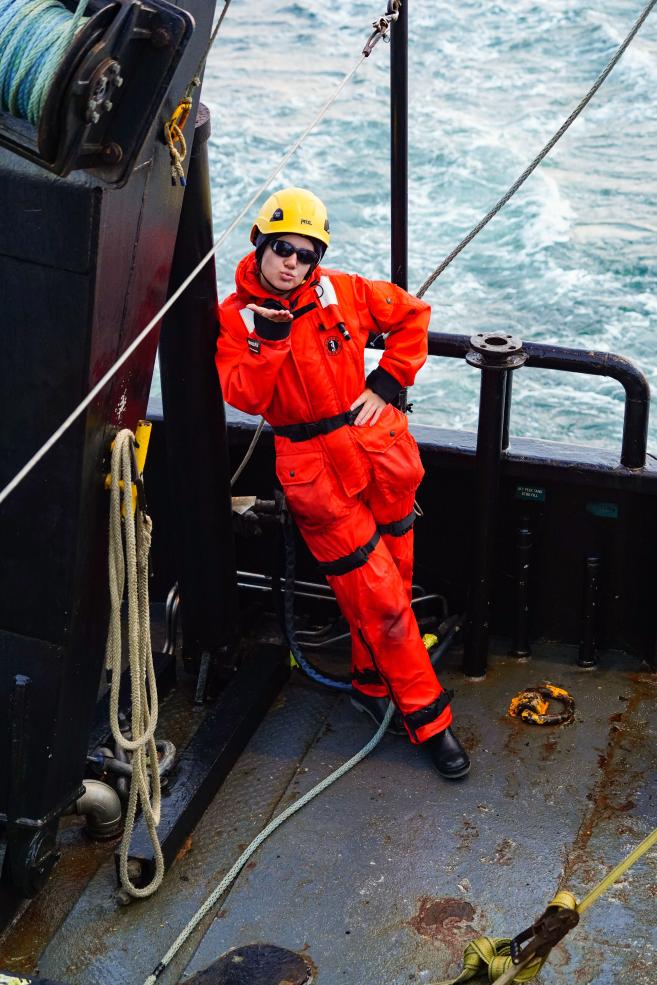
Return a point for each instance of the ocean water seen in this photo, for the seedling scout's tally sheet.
(572, 259)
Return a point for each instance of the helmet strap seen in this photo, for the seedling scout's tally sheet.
(275, 289)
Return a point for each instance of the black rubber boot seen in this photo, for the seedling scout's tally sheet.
(448, 755)
(376, 708)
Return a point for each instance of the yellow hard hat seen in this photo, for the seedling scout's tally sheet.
(293, 210)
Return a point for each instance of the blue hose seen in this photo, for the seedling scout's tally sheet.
(34, 37)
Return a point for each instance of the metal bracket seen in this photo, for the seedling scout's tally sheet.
(382, 27)
(544, 933)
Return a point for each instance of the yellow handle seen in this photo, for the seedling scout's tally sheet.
(142, 439)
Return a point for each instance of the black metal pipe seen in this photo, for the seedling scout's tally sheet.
(195, 427)
(591, 363)
(520, 647)
(587, 648)
(487, 479)
(399, 148)
(507, 409)
(636, 386)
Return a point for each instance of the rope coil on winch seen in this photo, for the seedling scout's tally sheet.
(34, 37)
(132, 572)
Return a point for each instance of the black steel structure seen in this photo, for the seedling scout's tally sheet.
(399, 148)
(199, 470)
(81, 278)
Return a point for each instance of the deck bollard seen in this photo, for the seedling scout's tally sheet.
(496, 354)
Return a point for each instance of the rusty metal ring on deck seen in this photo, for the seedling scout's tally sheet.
(532, 705)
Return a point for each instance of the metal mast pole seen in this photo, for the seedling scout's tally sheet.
(399, 146)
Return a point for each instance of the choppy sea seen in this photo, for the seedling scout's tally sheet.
(572, 260)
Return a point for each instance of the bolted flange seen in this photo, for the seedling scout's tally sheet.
(495, 350)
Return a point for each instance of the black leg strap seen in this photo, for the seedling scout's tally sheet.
(357, 558)
(398, 527)
(366, 676)
(423, 716)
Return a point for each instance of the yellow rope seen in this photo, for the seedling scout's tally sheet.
(175, 139)
(617, 872)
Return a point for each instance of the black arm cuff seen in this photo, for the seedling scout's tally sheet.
(383, 384)
(272, 331)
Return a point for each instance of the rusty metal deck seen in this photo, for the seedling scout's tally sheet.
(385, 878)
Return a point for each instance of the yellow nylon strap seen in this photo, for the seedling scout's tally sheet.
(491, 956)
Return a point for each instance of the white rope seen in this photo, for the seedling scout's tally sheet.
(249, 452)
(143, 686)
(82, 406)
(258, 840)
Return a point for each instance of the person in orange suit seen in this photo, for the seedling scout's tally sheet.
(291, 348)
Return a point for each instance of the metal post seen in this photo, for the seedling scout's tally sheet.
(520, 647)
(399, 147)
(588, 644)
(495, 354)
(195, 425)
(507, 409)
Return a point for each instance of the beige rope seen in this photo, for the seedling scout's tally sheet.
(137, 527)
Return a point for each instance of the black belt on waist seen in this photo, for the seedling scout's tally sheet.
(303, 432)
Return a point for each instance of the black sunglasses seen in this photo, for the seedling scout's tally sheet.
(282, 248)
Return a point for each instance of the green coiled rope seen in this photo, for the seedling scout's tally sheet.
(34, 37)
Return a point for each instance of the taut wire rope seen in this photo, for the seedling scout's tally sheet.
(173, 128)
(539, 157)
(196, 78)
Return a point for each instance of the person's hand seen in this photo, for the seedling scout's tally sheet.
(372, 403)
(273, 314)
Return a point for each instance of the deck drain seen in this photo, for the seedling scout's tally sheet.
(256, 964)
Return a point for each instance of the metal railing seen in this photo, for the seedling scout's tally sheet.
(637, 389)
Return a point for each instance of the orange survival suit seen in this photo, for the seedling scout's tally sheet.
(350, 489)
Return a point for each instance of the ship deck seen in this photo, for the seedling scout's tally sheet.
(385, 877)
